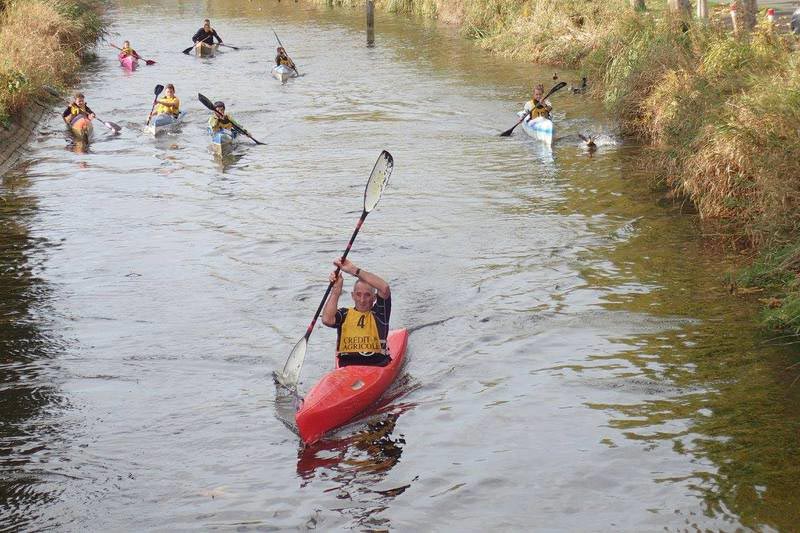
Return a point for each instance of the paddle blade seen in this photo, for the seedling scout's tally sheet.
(205, 101)
(188, 50)
(290, 375)
(157, 90)
(378, 180)
(116, 128)
(508, 132)
(149, 62)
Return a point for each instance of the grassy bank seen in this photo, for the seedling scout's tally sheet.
(41, 43)
(724, 110)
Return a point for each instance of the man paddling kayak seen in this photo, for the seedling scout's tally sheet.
(77, 109)
(537, 106)
(361, 330)
(206, 34)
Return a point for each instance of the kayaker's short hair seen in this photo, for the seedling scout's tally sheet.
(79, 95)
(206, 22)
(372, 289)
(539, 87)
(170, 86)
(219, 104)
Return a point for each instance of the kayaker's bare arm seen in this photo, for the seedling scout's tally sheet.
(332, 304)
(367, 277)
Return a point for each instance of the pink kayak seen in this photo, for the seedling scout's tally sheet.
(128, 62)
(346, 392)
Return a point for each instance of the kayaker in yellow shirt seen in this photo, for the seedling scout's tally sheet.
(537, 106)
(77, 109)
(361, 330)
(169, 104)
(220, 120)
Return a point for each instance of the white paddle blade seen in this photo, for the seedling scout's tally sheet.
(378, 180)
(290, 375)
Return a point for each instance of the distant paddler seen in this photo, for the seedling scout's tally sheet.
(283, 59)
(78, 116)
(361, 330)
(128, 52)
(206, 34)
(203, 41)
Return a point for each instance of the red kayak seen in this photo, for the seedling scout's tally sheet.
(128, 62)
(345, 392)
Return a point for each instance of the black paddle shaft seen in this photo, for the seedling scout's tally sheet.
(338, 269)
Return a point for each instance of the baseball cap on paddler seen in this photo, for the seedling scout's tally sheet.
(219, 103)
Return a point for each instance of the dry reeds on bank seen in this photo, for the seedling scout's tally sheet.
(41, 43)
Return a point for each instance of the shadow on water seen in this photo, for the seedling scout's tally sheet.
(27, 394)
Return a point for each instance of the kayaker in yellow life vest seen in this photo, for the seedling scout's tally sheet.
(126, 50)
(361, 330)
(77, 108)
(283, 59)
(220, 120)
(537, 106)
(169, 104)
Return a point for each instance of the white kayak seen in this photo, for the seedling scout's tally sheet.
(282, 73)
(540, 128)
(164, 122)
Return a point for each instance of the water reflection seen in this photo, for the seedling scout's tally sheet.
(27, 392)
(711, 391)
(355, 465)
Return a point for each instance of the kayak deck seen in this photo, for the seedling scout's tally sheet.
(540, 128)
(282, 73)
(345, 392)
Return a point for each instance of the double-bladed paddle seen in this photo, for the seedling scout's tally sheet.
(206, 102)
(555, 88)
(378, 179)
(188, 50)
(156, 91)
(294, 67)
(147, 61)
(116, 128)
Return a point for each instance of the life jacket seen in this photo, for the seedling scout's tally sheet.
(224, 123)
(538, 111)
(128, 52)
(283, 60)
(171, 107)
(75, 110)
(359, 333)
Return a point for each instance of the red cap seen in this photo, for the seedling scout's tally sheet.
(771, 12)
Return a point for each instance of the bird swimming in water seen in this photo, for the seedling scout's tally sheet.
(590, 144)
(581, 88)
(555, 76)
